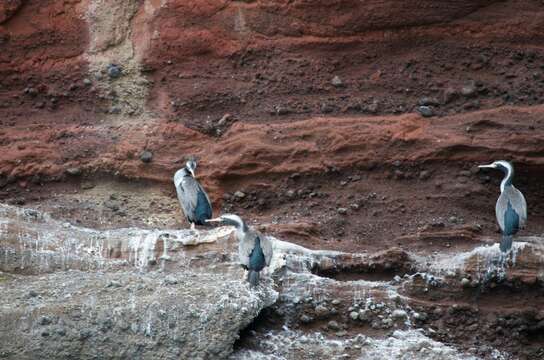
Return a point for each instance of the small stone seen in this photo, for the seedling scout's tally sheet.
(111, 205)
(239, 194)
(465, 282)
(341, 333)
(114, 284)
(469, 89)
(224, 120)
(74, 171)
(321, 310)
(424, 175)
(170, 280)
(354, 207)
(44, 320)
(337, 82)
(290, 194)
(374, 107)
(399, 314)
(85, 334)
(426, 101)
(336, 302)
(32, 294)
(425, 111)
(342, 211)
(114, 71)
(87, 82)
(146, 156)
(305, 319)
(453, 219)
(333, 325)
(354, 315)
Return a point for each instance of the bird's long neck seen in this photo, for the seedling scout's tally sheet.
(507, 180)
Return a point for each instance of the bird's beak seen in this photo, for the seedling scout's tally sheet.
(490, 166)
(214, 220)
(192, 173)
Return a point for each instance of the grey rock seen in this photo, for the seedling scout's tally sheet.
(87, 82)
(336, 81)
(354, 315)
(114, 71)
(465, 282)
(240, 194)
(146, 156)
(333, 325)
(469, 89)
(425, 111)
(74, 171)
(342, 211)
(426, 101)
(321, 310)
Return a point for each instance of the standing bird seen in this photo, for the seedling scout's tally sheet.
(254, 249)
(511, 207)
(194, 201)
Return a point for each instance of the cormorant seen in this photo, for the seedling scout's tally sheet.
(194, 201)
(254, 249)
(511, 207)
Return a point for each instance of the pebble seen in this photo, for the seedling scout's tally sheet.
(469, 89)
(354, 206)
(146, 156)
(354, 315)
(114, 71)
(450, 94)
(170, 280)
(453, 219)
(424, 175)
(426, 101)
(333, 325)
(306, 319)
(74, 171)
(32, 293)
(321, 310)
(425, 111)
(336, 302)
(465, 282)
(87, 82)
(239, 194)
(337, 82)
(342, 211)
(399, 314)
(44, 320)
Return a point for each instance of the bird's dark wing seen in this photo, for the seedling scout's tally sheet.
(256, 259)
(203, 209)
(511, 210)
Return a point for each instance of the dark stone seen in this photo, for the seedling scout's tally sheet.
(146, 156)
(426, 101)
(75, 171)
(114, 71)
(425, 111)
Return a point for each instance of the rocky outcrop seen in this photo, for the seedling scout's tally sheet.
(101, 294)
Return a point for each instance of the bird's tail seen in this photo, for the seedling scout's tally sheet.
(506, 243)
(253, 278)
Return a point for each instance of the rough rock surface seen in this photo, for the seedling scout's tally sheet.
(103, 294)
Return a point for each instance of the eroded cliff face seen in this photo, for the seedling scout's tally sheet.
(345, 125)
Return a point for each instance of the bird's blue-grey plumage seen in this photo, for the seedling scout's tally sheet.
(254, 249)
(511, 207)
(194, 201)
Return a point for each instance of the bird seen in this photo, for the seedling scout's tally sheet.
(194, 201)
(511, 207)
(254, 249)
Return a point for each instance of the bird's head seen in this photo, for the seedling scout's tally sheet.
(230, 219)
(502, 165)
(191, 165)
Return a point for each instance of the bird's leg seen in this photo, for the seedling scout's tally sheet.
(195, 231)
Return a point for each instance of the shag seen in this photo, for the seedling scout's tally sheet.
(254, 249)
(511, 207)
(194, 201)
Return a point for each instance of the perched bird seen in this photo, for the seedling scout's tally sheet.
(254, 249)
(194, 201)
(511, 207)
